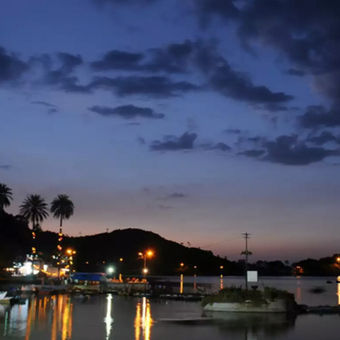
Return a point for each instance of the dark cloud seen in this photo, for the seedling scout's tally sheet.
(318, 116)
(238, 86)
(221, 77)
(62, 76)
(323, 138)
(11, 67)
(304, 31)
(148, 86)
(173, 58)
(289, 150)
(126, 111)
(68, 63)
(118, 60)
(181, 58)
(173, 143)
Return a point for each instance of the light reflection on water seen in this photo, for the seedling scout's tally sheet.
(119, 318)
(36, 314)
(143, 320)
(108, 318)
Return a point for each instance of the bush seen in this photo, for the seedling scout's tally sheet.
(255, 297)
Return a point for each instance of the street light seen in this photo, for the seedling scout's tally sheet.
(110, 270)
(147, 254)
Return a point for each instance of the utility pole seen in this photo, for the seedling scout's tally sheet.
(246, 253)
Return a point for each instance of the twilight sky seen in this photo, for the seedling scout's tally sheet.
(196, 119)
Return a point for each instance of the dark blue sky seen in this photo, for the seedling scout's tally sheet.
(197, 119)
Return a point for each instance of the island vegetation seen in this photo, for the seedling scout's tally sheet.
(252, 296)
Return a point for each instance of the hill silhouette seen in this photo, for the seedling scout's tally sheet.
(96, 252)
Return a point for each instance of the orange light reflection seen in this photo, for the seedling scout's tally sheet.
(143, 320)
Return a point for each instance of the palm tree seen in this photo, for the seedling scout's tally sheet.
(34, 209)
(5, 196)
(62, 207)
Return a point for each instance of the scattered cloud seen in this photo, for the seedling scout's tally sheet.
(182, 58)
(126, 112)
(289, 150)
(238, 86)
(143, 85)
(118, 60)
(51, 108)
(173, 143)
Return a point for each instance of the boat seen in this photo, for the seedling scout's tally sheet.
(4, 300)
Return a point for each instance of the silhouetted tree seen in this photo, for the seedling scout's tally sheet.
(5, 196)
(34, 209)
(62, 207)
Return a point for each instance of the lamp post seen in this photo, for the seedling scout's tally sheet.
(181, 278)
(147, 254)
(120, 277)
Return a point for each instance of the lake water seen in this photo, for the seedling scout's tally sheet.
(123, 318)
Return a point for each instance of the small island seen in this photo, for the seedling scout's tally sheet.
(234, 299)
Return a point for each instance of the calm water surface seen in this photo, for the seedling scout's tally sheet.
(112, 317)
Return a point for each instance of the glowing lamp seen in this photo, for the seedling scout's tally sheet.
(110, 270)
